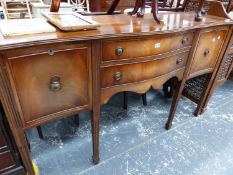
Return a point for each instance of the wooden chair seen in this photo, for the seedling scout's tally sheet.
(15, 9)
(80, 5)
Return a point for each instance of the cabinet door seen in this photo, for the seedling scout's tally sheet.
(50, 81)
(208, 50)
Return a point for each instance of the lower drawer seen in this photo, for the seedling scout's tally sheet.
(136, 72)
(6, 161)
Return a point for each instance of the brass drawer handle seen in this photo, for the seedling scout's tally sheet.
(206, 52)
(55, 84)
(51, 52)
(184, 41)
(178, 61)
(119, 51)
(118, 76)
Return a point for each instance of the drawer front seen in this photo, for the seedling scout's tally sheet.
(125, 49)
(51, 81)
(130, 73)
(6, 161)
(2, 141)
(209, 47)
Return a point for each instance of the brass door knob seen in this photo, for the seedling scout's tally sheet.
(119, 51)
(118, 76)
(184, 41)
(55, 84)
(206, 52)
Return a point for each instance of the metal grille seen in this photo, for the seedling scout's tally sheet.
(225, 67)
(194, 87)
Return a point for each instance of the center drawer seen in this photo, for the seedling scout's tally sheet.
(125, 49)
(131, 73)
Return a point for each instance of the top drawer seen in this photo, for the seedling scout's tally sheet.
(125, 49)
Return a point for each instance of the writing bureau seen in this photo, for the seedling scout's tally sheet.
(48, 76)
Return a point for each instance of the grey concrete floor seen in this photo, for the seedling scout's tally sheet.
(134, 141)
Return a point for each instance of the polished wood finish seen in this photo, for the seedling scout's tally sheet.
(9, 160)
(136, 72)
(222, 74)
(209, 47)
(73, 71)
(38, 101)
(147, 47)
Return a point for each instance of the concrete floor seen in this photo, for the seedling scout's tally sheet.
(135, 141)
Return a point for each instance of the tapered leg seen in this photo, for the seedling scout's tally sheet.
(144, 100)
(95, 134)
(201, 106)
(29, 146)
(125, 104)
(76, 119)
(168, 88)
(39, 130)
(177, 95)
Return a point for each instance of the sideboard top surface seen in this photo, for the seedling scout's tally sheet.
(120, 25)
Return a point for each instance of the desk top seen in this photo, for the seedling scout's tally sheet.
(120, 25)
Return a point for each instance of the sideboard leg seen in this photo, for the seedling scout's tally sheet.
(40, 133)
(144, 100)
(168, 88)
(175, 101)
(125, 96)
(202, 105)
(29, 145)
(24, 149)
(76, 120)
(95, 135)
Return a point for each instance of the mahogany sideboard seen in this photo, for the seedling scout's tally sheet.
(44, 77)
